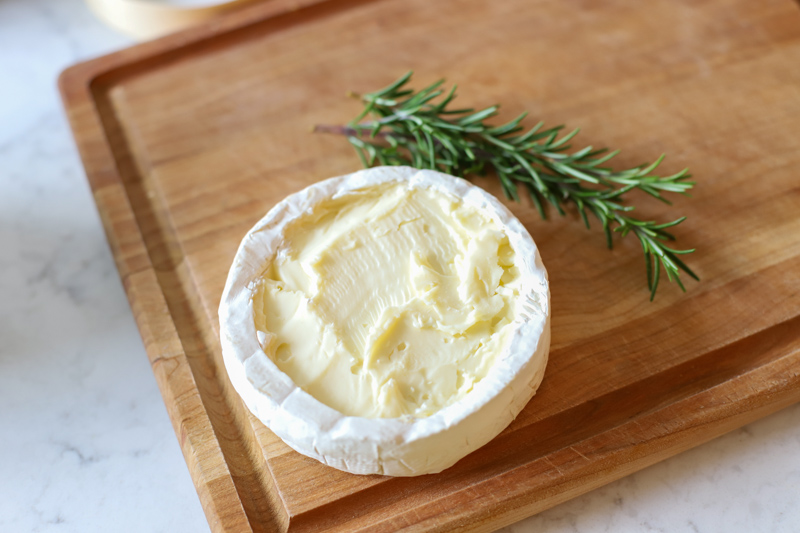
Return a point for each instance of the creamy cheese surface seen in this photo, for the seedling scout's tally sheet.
(388, 301)
(389, 321)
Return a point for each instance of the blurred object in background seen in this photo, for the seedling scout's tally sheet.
(148, 19)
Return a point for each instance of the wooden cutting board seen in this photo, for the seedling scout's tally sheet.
(187, 141)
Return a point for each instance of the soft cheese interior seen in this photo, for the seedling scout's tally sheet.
(388, 301)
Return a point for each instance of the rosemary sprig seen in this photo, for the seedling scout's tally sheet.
(418, 128)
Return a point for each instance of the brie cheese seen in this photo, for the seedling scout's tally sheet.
(390, 321)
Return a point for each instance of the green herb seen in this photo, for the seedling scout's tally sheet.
(418, 128)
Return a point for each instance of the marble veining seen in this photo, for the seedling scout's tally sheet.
(85, 442)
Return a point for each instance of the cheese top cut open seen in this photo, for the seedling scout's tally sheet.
(389, 321)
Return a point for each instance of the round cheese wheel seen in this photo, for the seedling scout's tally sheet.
(404, 446)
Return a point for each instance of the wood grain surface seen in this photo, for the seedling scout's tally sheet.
(187, 141)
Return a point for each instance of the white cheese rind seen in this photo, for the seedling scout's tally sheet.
(388, 446)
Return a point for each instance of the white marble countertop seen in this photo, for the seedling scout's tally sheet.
(85, 442)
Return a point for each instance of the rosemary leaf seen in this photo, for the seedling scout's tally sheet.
(411, 128)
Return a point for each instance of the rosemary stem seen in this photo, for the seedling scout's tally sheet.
(416, 128)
